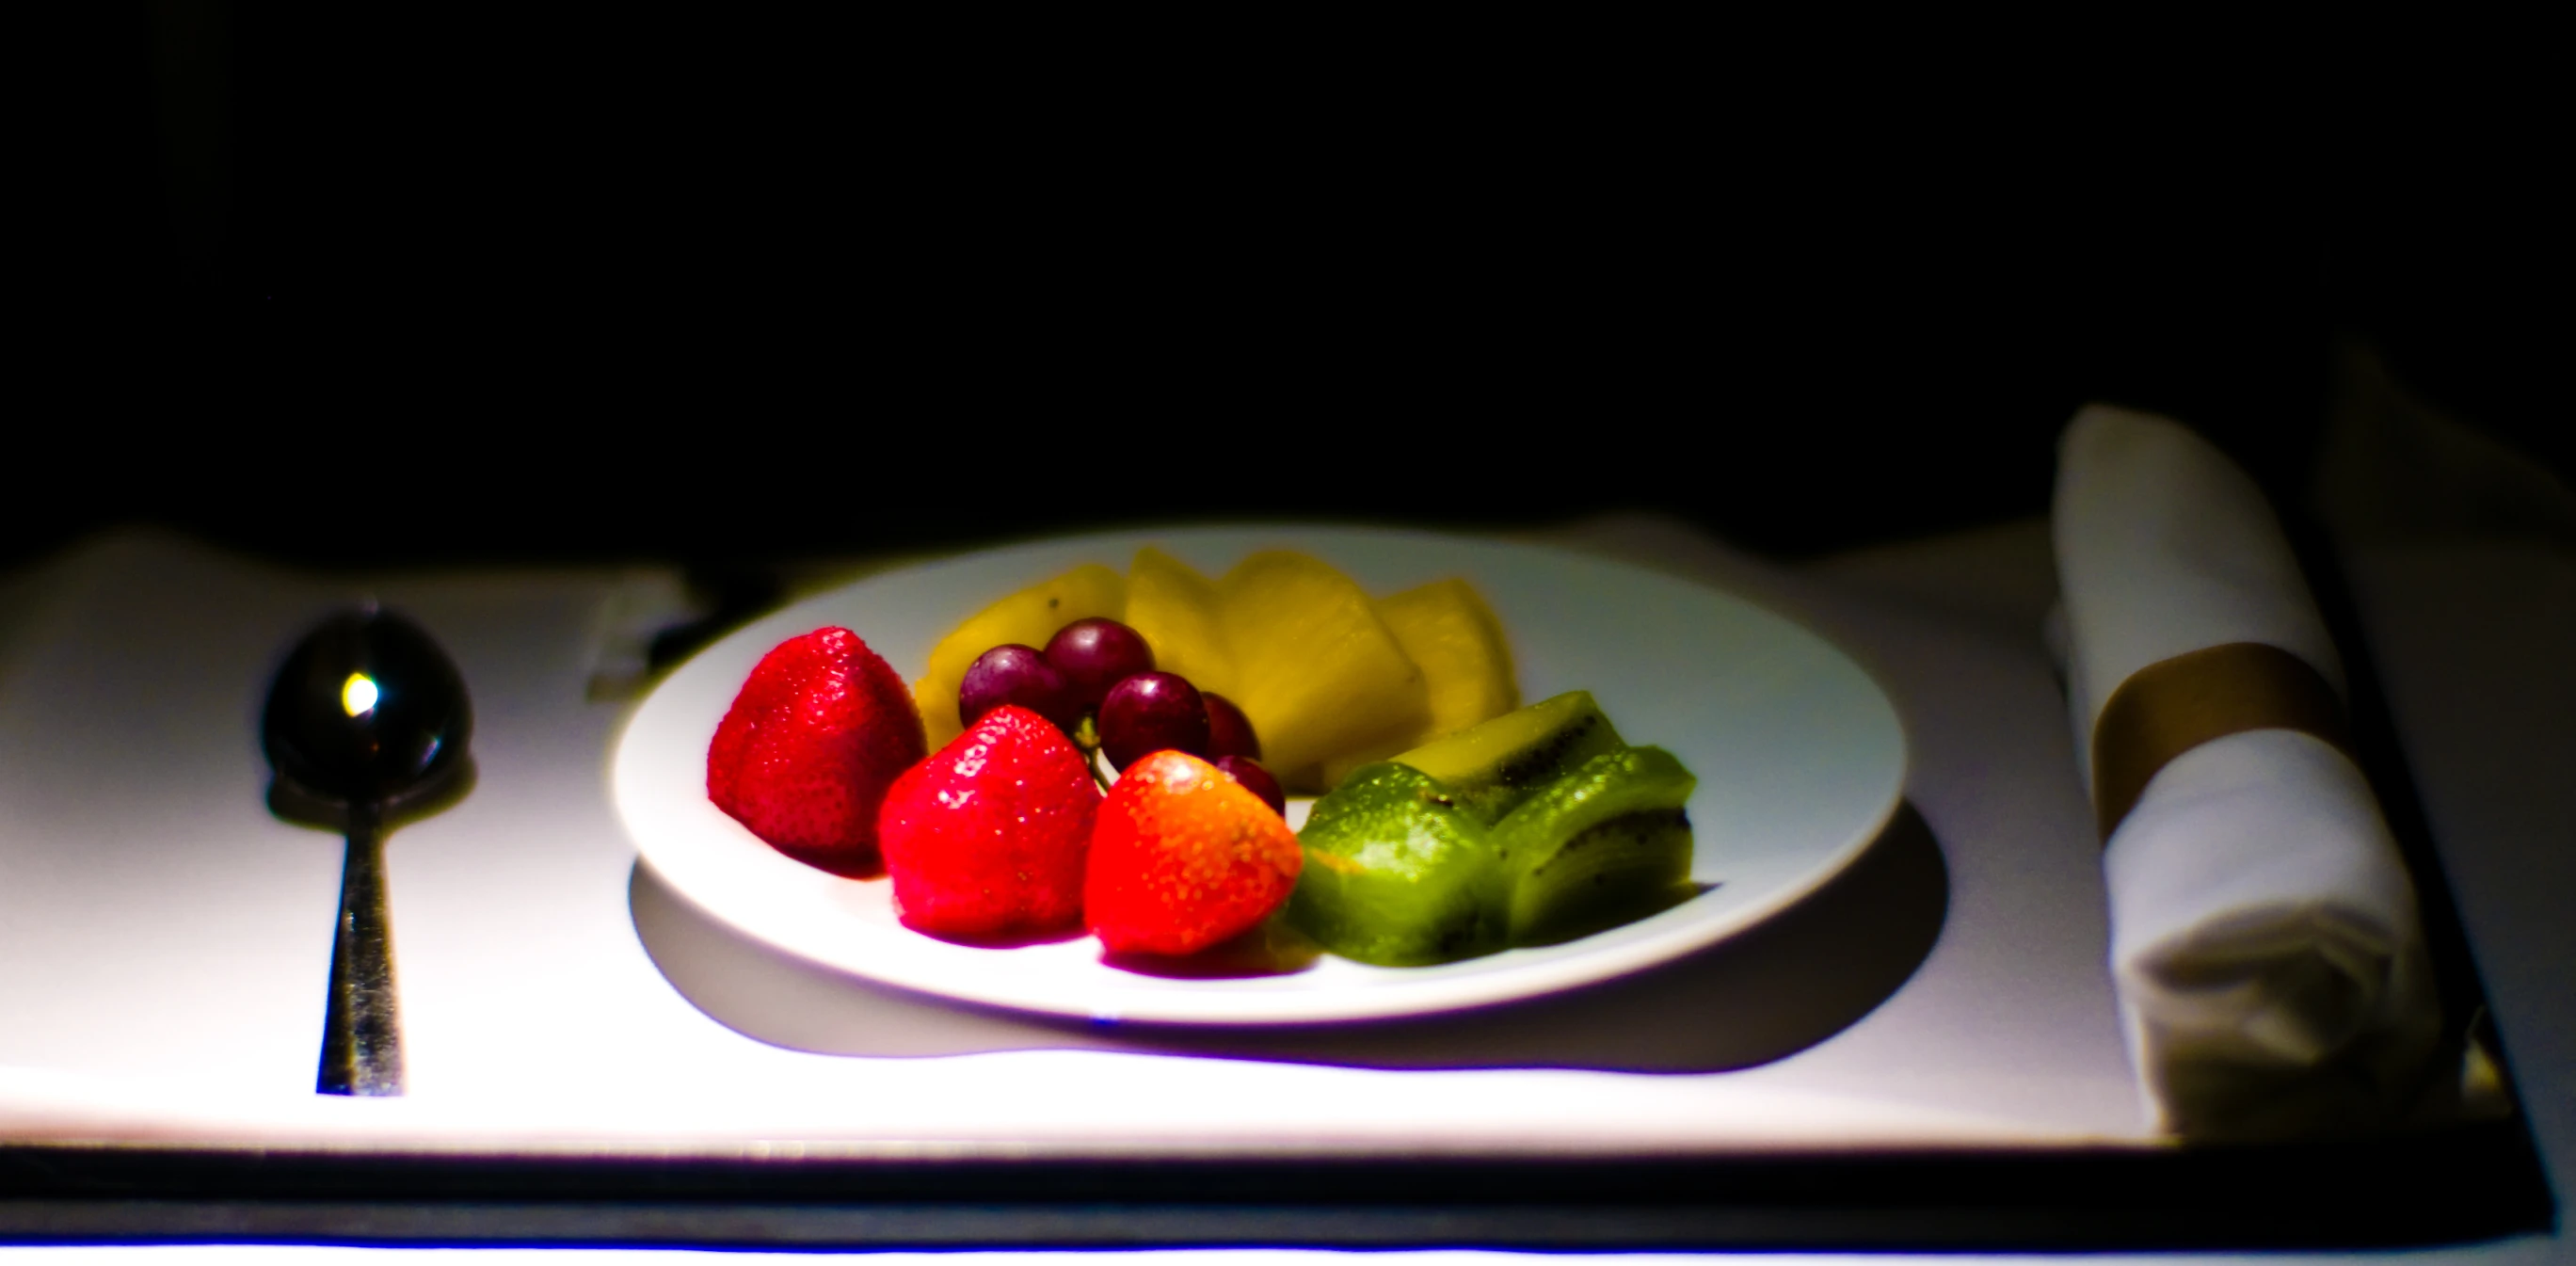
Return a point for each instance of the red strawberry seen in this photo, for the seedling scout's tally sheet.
(1184, 857)
(804, 755)
(988, 836)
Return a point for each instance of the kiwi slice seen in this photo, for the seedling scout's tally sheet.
(1397, 873)
(1492, 767)
(1603, 845)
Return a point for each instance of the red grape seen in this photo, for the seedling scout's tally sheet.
(1096, 654)
(1012, 673)
(1255, 779)
(1229, 731)
(1152, 712)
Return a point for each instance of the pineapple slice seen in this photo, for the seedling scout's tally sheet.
(1447, 630)
(1316, 671)
(1175, 610)
(1029, 618)
(1455, 639)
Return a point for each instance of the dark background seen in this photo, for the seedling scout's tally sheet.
(370, 289)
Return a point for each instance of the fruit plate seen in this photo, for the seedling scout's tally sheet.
(1799, 755)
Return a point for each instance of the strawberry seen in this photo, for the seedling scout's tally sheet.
(805, 754)
(988, 836)
(1184, 857)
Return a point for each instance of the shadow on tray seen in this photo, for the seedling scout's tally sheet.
(1788, 984)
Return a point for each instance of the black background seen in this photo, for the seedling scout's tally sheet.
(371, 289)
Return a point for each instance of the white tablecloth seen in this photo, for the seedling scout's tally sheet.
(164, 941)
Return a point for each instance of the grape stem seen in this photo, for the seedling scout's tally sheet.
(1086, 736)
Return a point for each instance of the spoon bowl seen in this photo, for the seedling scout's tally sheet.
(367, 717)
(367, 710)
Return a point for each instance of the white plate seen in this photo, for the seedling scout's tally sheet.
(1799, 756)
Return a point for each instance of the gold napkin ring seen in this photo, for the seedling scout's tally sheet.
(2174, 705)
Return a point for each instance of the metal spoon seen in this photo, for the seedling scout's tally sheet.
(367, 721)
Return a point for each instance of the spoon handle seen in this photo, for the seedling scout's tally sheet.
(361, 1031)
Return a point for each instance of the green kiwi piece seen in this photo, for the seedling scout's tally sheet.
(1618, 872)
(1396, 874)
(1494, 766)
(1601, 846)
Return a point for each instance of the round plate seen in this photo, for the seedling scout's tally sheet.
(1799, 756)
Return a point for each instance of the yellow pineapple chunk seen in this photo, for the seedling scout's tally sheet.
(1316, 671)
(1029, 618)
(938, 707)
(1458, 643)
(1449, 633)
(1175, 610)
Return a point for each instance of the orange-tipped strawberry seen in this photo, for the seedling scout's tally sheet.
(806, 753)
(987, 837)
(1184, 857)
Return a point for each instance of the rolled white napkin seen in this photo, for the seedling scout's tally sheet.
(2265, 945)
